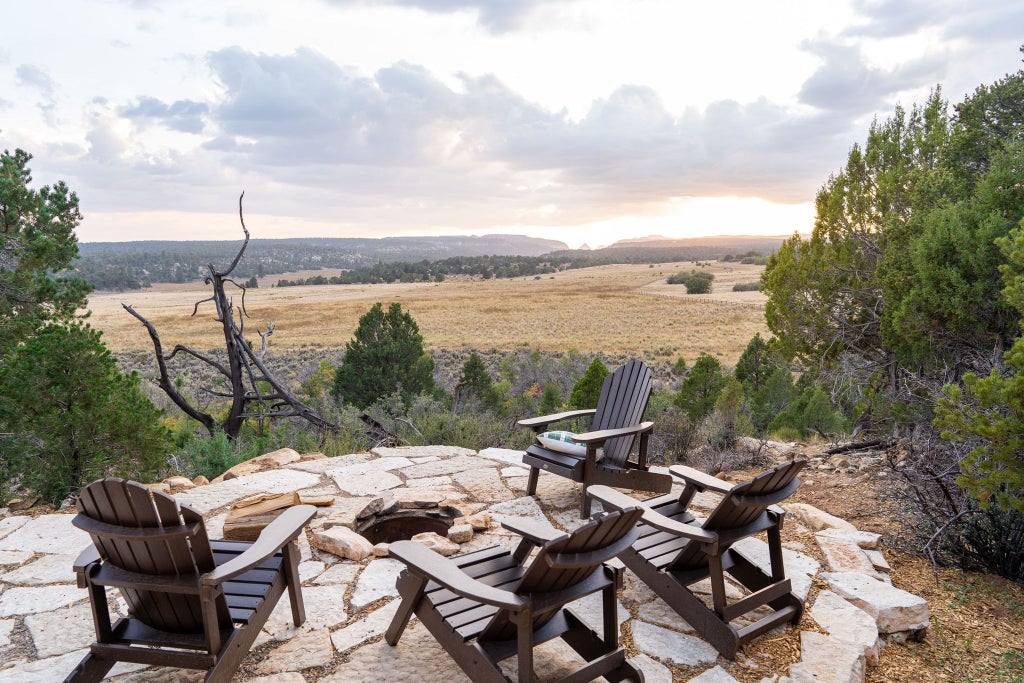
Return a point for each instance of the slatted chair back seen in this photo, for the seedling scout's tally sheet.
(145, 532)
(743, 506)
(567, 561)
(624, 397)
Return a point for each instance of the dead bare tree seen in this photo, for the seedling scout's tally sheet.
(254, 391)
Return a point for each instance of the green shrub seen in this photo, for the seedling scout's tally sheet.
(209, 456)
(747, 287)
(696, 281)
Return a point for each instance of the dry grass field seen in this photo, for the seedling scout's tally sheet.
(618, 309)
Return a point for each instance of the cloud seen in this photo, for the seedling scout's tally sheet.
(402, 133)
(497, 16)
(976, 21)
(35, 77)
(845, 83)
(185, 116)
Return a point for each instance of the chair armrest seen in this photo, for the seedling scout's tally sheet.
(611, 499)
(700, 479)
(545, 420)
(87, 557)
(426, 562)
(275, 536)
(531, 530)
(603, 435)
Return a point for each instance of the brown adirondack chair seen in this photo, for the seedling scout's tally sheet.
(192, 603)
(616, 423)
(489, 605)
(674, 552)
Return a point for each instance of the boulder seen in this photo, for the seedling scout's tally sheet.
(816, 519)
(343, 542)
(267, 461)
(179, 484)
(438, 544)
(893, 610)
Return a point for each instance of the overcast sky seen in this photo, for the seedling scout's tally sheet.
(581, 120)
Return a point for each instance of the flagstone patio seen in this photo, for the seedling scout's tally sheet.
(46, 626)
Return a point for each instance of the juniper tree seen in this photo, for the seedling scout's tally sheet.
(384, 355)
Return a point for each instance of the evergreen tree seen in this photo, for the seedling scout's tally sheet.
(476, 381)
(551, 399)
(988, 412)
(67, 415)
(85, 419)
(700, 389)
(587, 391)
(37, 239)
(385, 355)
(755, 364)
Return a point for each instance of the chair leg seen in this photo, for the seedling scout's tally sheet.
(411, 589)
(585, 505)
(525, 638)
(531, 483)
(90, 670)
(291, 576)
(611, 618)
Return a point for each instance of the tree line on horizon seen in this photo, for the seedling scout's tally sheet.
(133, 266)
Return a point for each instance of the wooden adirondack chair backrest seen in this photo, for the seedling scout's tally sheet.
(623, 400)
(568, 560)
(113, 511)
(743, 505)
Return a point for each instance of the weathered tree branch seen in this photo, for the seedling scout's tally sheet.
(165, 382)
(245, 369)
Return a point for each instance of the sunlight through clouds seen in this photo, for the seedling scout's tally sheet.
(582, 121)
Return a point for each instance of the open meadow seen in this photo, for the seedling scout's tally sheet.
(614, 309)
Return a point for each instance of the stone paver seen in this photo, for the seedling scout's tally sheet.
(211, 497)
(342, 572)
(46, 534)
(375, 582)
(325, 608)
(11, 524)
(504, 455)
(714, 675)
(824, 659)
(847, 622)
(48, 670)
(365, 483)
(6, 626)
(47, 569)
(12, 558)
(845, 556)
(800, 568)
(654, 671)
(29, 600)
(365, 629)
(36, 588)
(450, 452)
(73, 624)
(439, 468)
(416, 658)
(661, 643)
(485, 484)
(301, 652)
